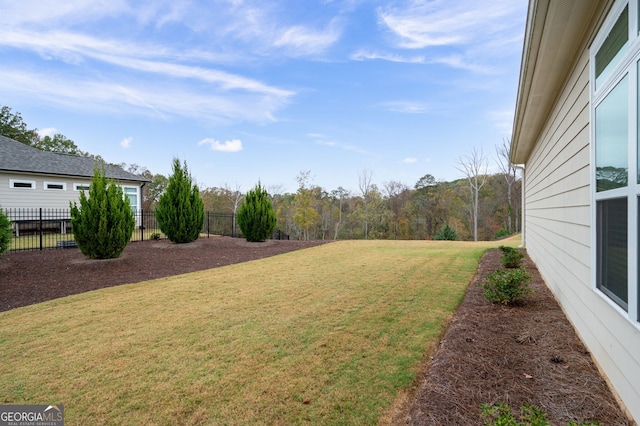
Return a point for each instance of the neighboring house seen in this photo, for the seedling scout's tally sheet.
(30, 178)
(577, 131)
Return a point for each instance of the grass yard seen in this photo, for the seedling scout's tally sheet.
(327, 335)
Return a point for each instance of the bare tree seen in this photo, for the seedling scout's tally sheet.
(475, 169)
(509, 172)
(339, 193)
(395, 191)
(236, 197)
(364, 183)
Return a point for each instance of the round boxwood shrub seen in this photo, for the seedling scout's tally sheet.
(507, 286)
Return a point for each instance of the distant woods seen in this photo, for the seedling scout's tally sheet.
(479, 205)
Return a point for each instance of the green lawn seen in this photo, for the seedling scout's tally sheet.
(327, 335)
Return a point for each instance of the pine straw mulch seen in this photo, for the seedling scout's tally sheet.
(528, 354)
(490, 353)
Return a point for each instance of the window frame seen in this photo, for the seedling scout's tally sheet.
(47, 183)
(627, 67)
(13, 182)
(81, 186)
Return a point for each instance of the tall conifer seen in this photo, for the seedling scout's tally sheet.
(6, 233)
(103, 223)
(256, 217)
(180, 210)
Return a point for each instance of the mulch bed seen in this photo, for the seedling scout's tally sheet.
(490, 353)
(35, 276)
(528, 354)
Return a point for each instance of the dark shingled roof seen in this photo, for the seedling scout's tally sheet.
(18, 157)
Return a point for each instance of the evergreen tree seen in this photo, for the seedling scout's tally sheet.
(104, 222)
(180, 210)
(446, 233)
(256, 217)
(5, 232)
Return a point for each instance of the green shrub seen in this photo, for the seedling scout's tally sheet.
(155, 235)
(6, 233)
(103, 224)
(511, 258)
(446, 233)
(256, 217)
(180, 210)
(501, 415)
(530, 415)
(508, 286)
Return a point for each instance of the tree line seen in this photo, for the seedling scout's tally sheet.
(480, 206)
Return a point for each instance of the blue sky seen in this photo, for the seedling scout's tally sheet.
(249, 91)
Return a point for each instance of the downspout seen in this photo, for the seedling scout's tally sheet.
(523, 226)
(142, 211)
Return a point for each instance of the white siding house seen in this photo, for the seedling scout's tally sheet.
(576, 133)
(30, 178)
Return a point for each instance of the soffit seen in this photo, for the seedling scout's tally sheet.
(554, 36)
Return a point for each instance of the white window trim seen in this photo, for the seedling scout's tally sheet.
(76, 186)
(12, 183)
(47, 183)
(137, 189)
(628, 66)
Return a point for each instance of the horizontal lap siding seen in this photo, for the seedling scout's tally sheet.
(39, 197)
(558, 238)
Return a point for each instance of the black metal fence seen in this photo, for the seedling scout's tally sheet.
(43, 228)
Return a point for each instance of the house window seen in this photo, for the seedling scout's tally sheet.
(131, 193)
(80, 186)
(22, 184)
(59, 186)
(615, 103)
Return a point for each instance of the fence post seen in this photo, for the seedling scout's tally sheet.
(207, 224)
(141, 224)
(40, 228)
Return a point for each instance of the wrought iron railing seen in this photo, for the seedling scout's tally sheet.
(44, 228)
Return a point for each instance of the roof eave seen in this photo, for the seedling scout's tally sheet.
(553, 31)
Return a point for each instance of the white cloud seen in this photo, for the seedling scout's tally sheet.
(141, 98)
(76, 48)
(502, 120)
(410, 160)
(47, 131)
(233, 145)
(363, 55)
(126, 142)
(323, 140)
(406, 107)
(300, 40)
(420, 23)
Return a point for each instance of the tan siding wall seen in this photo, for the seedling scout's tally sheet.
(39, 197)
(558, 236)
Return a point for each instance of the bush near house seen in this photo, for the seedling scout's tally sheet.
(511, 257)
(5, 233)
(256, 217)
(104, 222)
(507, 286)
(180, 210)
